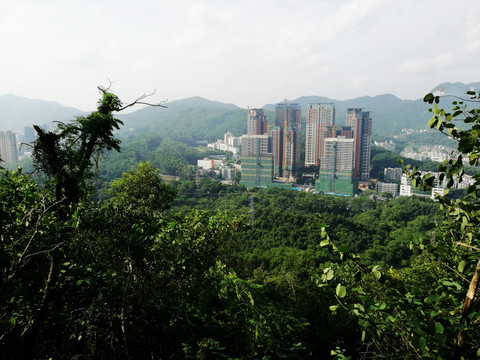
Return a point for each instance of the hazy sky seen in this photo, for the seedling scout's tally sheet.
(246, 52)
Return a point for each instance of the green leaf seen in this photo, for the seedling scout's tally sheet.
(341, 291)
(333, 307)
(422, 343)
(428, 98)
(324, 243)
(432, 298)
(360, 307)
(461, 266)
(439, 328)
(376, 272)
(363, 335)
(330, 274)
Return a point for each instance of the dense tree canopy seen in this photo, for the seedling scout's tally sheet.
(197, 269)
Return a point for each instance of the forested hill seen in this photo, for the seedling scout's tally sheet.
(195, 269)
(188, 120)
(200, 119)
(196, 118)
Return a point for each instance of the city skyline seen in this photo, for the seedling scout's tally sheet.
(341, 154)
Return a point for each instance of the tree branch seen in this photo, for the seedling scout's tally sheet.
(459, 98)
(140, 102)
(467, 305)
(467, 246)
(122, 313)
(44, 251)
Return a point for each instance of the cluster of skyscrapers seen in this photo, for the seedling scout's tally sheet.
(271, 154)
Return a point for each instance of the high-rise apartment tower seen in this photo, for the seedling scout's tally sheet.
(361, 125)
(8, 147)
(319, 125)
(257, 123)
(286, 139)
(336, 167)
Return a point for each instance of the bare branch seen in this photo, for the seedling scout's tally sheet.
(475, 99)
(467, 246)
(106, 89)
(139, 101)
(23, 256)
(44, 251)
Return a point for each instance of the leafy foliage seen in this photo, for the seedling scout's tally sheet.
(194, 270)
(66, 155)
(421, 311)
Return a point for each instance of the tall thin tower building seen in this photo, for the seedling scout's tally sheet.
(319, 125)
(8, 147)
(257, 159)
(361, 125)
(286, 139)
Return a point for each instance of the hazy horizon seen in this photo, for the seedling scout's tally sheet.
(250, 53)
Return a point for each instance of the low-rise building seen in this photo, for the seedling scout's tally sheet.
(389, 188)
(209, 164)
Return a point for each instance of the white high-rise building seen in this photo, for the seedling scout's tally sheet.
(338, 154)
(336, 167)
(8, 147)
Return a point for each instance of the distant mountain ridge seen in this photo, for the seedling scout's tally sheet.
(199, 118)
(187, 120)
(457, 88)
(17, 112)
(198, 101)
(388, 112)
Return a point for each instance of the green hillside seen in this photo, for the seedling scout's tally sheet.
(196, 269)
(192, 119)
(188, 120)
